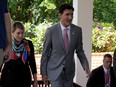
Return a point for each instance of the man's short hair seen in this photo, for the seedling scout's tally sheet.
(108, 56)
(64, 7)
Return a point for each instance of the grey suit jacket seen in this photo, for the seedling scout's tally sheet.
(54, 55)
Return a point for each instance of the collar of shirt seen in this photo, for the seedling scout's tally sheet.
(62, 27)
(105, 69)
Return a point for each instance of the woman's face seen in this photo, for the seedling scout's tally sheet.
(18, 34)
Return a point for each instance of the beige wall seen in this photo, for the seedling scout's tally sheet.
(83, 17)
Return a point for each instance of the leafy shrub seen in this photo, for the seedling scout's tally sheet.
(114, 23)
(104, 10)
(36, 34)
(103, 38)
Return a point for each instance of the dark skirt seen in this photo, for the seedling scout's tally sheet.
(15, 74)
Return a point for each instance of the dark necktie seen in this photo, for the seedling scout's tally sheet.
(107, 78)
(66, 40)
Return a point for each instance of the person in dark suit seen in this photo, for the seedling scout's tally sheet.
(114, 62)
(61, 42)
(17, 71)
(99, 76)
(5, 32)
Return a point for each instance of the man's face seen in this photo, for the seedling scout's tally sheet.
(107, 62)
(66, 17)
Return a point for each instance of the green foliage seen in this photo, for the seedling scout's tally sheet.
(104, 28)
(20, 9)
(103, 38)
(36, 34)
(114, 23)
(35, 11)
(37, 15)
(104, 10)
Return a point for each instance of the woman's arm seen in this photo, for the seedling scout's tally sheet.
(35, 80)
(32, 63)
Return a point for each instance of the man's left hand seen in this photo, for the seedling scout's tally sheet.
(8, 52)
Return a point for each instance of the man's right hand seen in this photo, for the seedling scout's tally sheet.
(45, 79)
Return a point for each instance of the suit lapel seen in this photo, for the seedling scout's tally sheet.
(102, 75)
(60, 36)
(71, 37)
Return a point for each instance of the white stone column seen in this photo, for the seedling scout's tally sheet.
(83, 14)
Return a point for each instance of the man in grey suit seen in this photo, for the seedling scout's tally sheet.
(61, 42)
